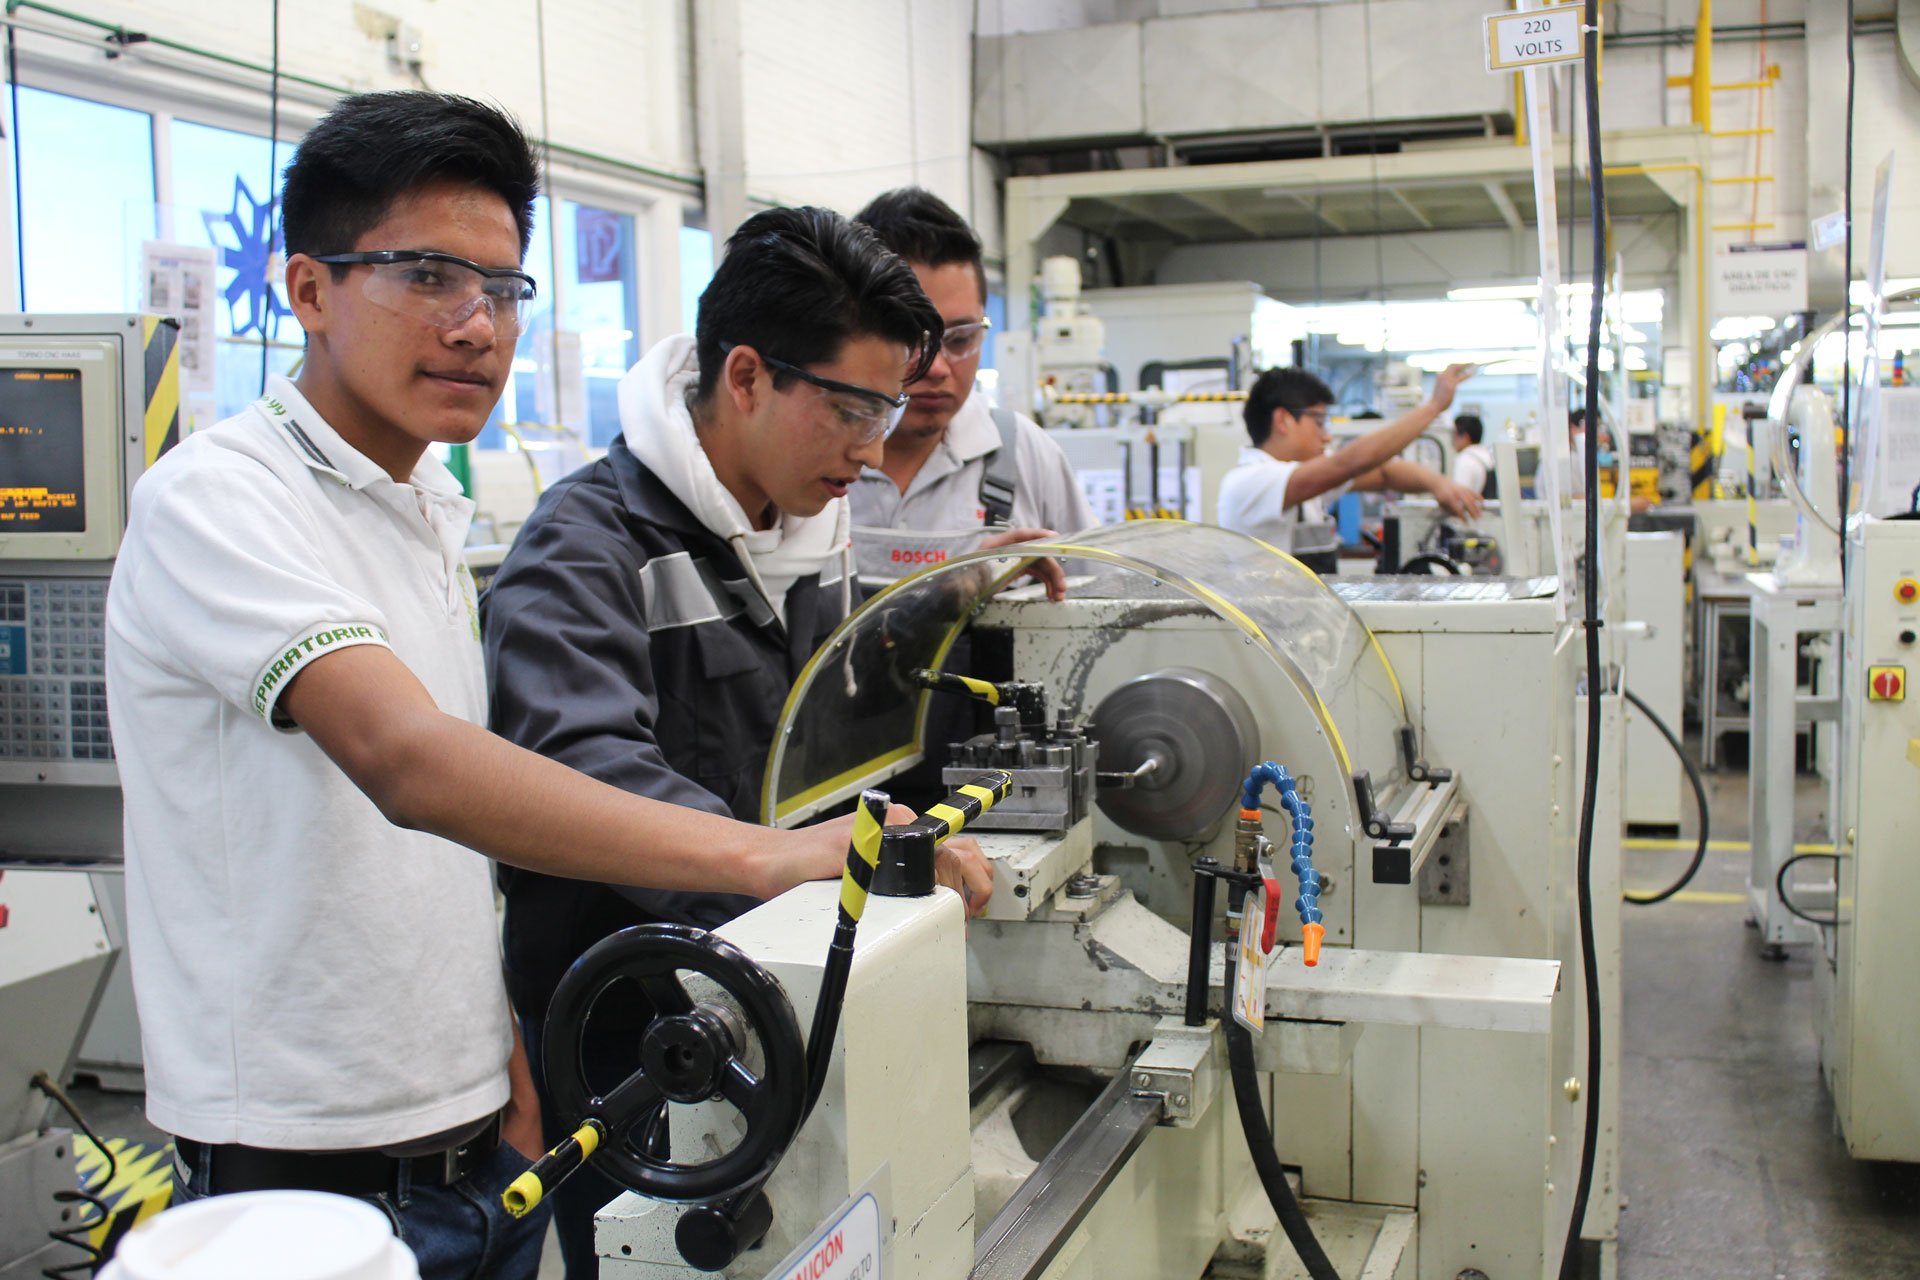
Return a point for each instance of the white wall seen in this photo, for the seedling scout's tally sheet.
(841, 100)
(849, 99)
(614, 79)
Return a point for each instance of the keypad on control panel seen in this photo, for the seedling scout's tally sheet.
(53, 696)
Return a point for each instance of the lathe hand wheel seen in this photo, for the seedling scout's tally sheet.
(689, 1053)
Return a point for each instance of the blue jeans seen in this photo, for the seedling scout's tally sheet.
(588, 1191)
(456, 1232)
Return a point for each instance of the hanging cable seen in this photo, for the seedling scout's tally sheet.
(1570, 1268)
(1259, 1135)
(1780, 888)
(273, 189)
(1699, 800)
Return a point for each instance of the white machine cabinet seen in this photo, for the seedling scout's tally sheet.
(1656, 672)
(1868, 1019)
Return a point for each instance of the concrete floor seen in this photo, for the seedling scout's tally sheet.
(1731, 1163)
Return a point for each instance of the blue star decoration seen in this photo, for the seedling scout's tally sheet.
(253, 305)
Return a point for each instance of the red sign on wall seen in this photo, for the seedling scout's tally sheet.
(600, 245)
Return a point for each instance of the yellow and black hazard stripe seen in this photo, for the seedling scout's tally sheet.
(948, 682)
(160, 338)
(951, 816)
(863, 855)
(142, 1186)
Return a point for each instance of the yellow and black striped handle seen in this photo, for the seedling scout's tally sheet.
(863, 855)
(947, 682)
(951, 816)
(551, 1169)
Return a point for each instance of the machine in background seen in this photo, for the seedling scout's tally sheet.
(86, 404)
(1869, 950)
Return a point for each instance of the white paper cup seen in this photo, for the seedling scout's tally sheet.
(288, 1235)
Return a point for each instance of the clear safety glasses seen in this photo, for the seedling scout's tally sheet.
(863, 413)
(963, 341)
(443, 290)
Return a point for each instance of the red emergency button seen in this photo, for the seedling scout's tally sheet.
(1906, 591)
(1886, 684)
(4, 913)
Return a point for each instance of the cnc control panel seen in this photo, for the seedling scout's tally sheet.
(53, 691)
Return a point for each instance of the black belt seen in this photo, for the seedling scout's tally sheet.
(347, 1173)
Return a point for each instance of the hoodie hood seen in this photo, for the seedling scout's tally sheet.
(658, 428)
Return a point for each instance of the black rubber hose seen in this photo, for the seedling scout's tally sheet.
(80, 1235)
(1253, 1121)
(1699, 800)
(1570, 1254)
(1780, 887)
(1428, 561)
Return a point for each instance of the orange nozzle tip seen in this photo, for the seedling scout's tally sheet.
(1310, 935)
(1250, 815)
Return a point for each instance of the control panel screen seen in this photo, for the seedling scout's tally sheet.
(42, 452)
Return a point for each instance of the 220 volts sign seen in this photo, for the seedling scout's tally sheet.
(1532, 37)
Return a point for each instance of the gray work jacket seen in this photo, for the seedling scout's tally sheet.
(623, 638)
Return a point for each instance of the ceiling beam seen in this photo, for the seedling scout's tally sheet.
(1497, 193)
(1219, 208)
(1132, 210)
(1408, 205)
(1313, 207)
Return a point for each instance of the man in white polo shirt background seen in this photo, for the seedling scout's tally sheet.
(956, 465)
(1279, 490)
(295, 682)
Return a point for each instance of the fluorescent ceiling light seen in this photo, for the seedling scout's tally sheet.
(1520, 292)
(1489, 293)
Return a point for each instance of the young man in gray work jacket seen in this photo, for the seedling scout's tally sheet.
(659, 603)
(956, 465)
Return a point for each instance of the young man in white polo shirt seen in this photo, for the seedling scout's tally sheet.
(294, 676)
(1472, 460)
(955, 464)
(1278, 491)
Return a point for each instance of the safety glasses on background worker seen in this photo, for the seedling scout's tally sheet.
(863, 413)
(961, 341)
(441, 289)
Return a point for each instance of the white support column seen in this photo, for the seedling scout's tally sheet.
(658, 232)
(720, 116)
(1826, 58)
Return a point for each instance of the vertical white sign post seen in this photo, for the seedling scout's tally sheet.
(1865, 431)
(1553, 382)
(1532, 40)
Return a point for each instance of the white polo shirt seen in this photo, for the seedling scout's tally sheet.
(1253, 501)
(308, 975)
(943, 497)
(1472, 465)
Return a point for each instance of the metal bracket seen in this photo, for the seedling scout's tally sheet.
(1446, 878)
(1422, 809)
(1182, 1068)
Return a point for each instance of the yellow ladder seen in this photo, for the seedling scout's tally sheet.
(1700, 82)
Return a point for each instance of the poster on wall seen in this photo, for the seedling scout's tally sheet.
(178, 280)
(1760, 280)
